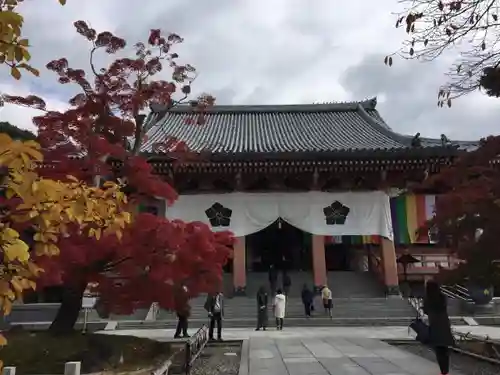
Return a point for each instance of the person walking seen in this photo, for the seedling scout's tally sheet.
(183, 310)
(307, 300)
(326, 296)
(273, 278)
(279, 307)
(440, 336)
(287, 283)
(261, 309)
(214, 305)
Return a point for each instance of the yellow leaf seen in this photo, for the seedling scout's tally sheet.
(3, 342)
(62, 2)
(17, 251)
(16, 73)
(9, 234)
(24, 42)
(6, 306)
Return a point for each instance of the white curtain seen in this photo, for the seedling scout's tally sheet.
(320, 213)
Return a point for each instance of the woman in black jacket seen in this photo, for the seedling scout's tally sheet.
(440, 335)
(261, 309)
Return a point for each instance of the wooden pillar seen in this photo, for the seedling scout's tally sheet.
(390, 265)
(239, 267)
(319, 262)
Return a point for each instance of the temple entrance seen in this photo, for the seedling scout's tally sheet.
(282, 245)
(338, 257)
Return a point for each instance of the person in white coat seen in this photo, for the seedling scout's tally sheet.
(279, 307)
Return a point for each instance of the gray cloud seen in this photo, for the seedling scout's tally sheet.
(409, 99)
(262, 51)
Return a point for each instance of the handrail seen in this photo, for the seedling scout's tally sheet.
(489, 344)
(461, 288)
(452, 294)
(194, 347)
(465, 293)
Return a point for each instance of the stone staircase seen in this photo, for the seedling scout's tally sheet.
(241, 312)
(350, 284)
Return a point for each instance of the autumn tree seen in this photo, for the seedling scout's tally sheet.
(107, 122)
(468, 213)
(468, 28)
(14, 48)
(37, 213)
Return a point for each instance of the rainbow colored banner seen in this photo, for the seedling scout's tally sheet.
(353, 240)
(409, 213)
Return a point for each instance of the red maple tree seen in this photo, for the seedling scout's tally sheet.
(105, 121)
(467, 213)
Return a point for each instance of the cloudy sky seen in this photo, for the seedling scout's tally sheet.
(265, 52)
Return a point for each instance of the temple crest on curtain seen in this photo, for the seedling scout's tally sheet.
(218, 215)
(319, 213)
(336, 213)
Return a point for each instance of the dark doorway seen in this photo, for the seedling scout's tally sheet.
(338, 257)
(280, 244)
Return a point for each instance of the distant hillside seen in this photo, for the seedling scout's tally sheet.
(16, 133)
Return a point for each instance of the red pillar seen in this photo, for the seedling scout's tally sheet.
(390, 265)
(239, 266)
(319, 262)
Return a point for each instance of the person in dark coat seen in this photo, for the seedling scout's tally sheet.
(287, 283)
(262, 301)
(183, 311)
(307, 300)
(273, 278)
(440, 335)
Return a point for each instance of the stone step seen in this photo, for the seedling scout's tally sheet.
(289, 322)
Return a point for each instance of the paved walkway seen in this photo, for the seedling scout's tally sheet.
(330, 356)
(395, 333)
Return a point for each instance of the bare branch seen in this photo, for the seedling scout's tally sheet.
(470, 27)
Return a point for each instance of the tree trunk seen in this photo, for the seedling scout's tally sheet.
(68, 313)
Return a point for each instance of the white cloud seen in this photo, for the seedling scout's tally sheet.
(264, 51)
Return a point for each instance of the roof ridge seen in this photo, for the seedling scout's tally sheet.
(367, 104)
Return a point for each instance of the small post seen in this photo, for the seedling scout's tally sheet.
(85, 319)
(187, 367)
(9, 371)
(72, 368)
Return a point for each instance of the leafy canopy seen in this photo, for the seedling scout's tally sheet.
(106, 124)
(45, 211)
(14, 49)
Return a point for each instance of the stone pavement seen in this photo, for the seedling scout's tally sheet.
(395, 333)
(330, 356)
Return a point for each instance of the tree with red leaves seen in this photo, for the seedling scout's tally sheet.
(467, 214)
(105, 121)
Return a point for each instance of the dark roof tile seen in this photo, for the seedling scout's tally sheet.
(279, 129)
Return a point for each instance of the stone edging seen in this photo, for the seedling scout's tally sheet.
(244, 358)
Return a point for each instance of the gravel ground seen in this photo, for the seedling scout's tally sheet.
(459, 362)
(214, 361)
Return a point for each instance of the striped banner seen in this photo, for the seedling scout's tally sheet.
(352, 240)
(409, 213)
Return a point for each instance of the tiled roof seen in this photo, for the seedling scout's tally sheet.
(274, 129)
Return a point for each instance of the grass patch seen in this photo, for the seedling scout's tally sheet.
(40, 353)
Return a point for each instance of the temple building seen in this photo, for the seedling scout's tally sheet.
(305, 188)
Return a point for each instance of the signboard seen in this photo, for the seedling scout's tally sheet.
(88, 302)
